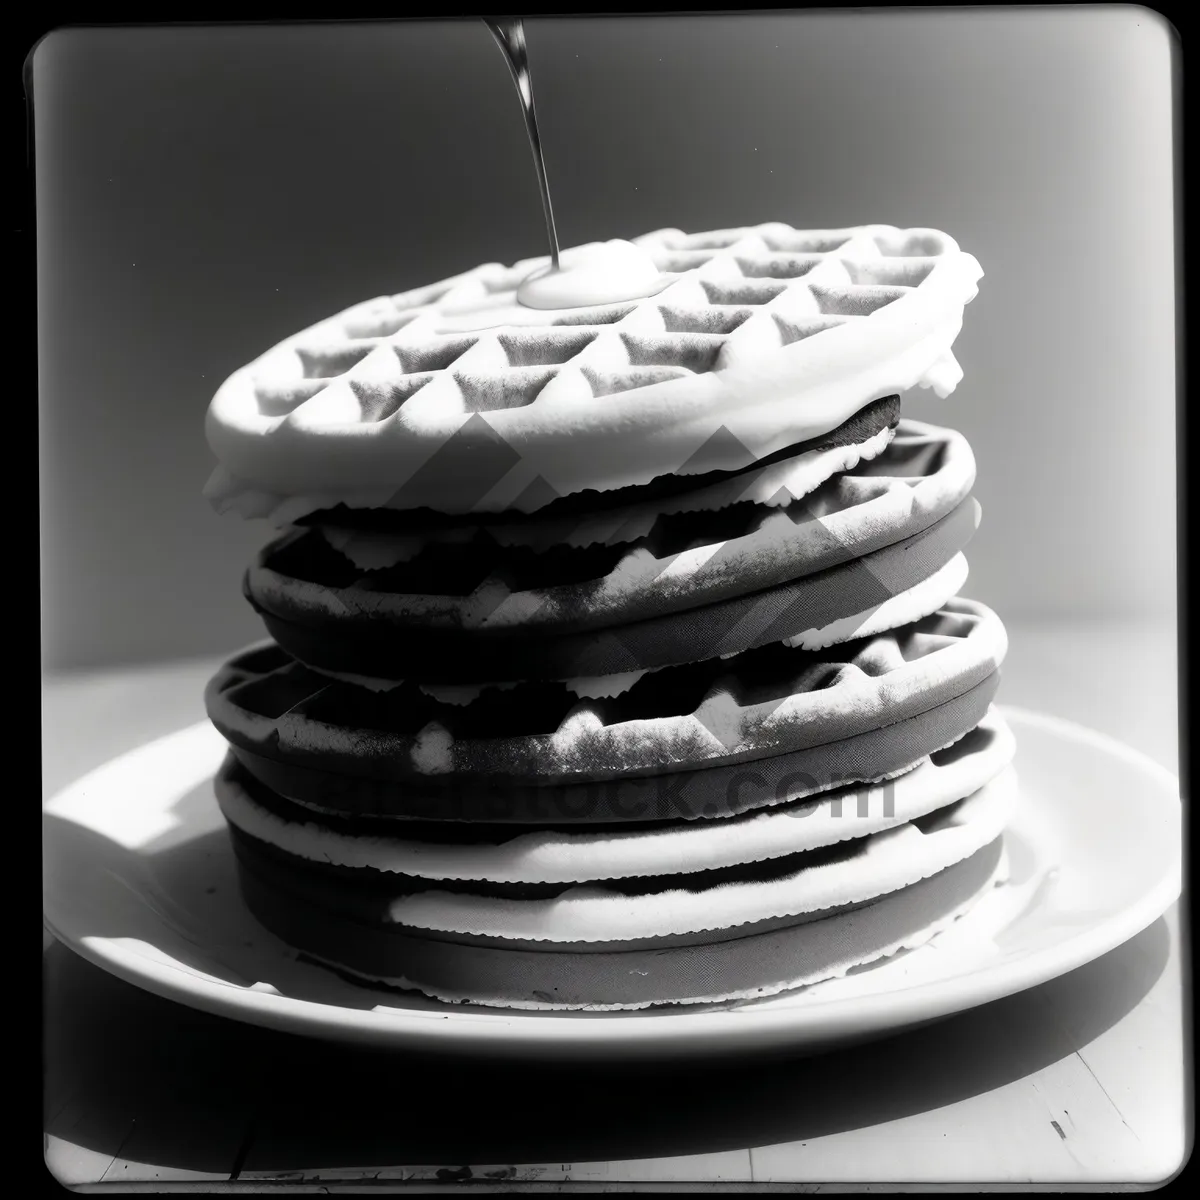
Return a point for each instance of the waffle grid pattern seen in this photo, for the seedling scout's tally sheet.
(759, 703)
(681, 559)
(731, 296)
(547, 856)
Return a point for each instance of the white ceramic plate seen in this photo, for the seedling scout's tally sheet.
(139, 879)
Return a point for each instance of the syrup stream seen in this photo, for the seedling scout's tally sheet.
(509, 33)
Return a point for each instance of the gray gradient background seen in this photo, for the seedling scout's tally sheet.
(204, 192)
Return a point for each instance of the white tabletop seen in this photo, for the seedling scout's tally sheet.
(1080, 1081)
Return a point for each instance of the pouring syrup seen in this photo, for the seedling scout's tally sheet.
(509, 33)
(604, 273)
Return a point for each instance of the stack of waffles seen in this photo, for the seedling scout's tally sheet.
(617, 657)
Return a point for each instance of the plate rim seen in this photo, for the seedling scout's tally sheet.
(457, 1030)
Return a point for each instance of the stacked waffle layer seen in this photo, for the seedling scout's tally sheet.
(704, 721)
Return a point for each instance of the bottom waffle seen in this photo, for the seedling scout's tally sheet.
(693, 913)
(810, 949)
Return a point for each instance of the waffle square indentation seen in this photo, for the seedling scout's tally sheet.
(797, 331)
(595, 316)
(779, 266)
(679, 261)
(693, 351)
(277, 400)
(855, 301)
(543, 349)
(328, 362)
(506, 389)
(436, 356)
(742, 292)
(378, 401)
(910, 245)
(711, 241)
(897, 272)
(609, 383)
(797, 241)
(702, 320)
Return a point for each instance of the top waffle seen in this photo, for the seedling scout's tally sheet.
(456, 399)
